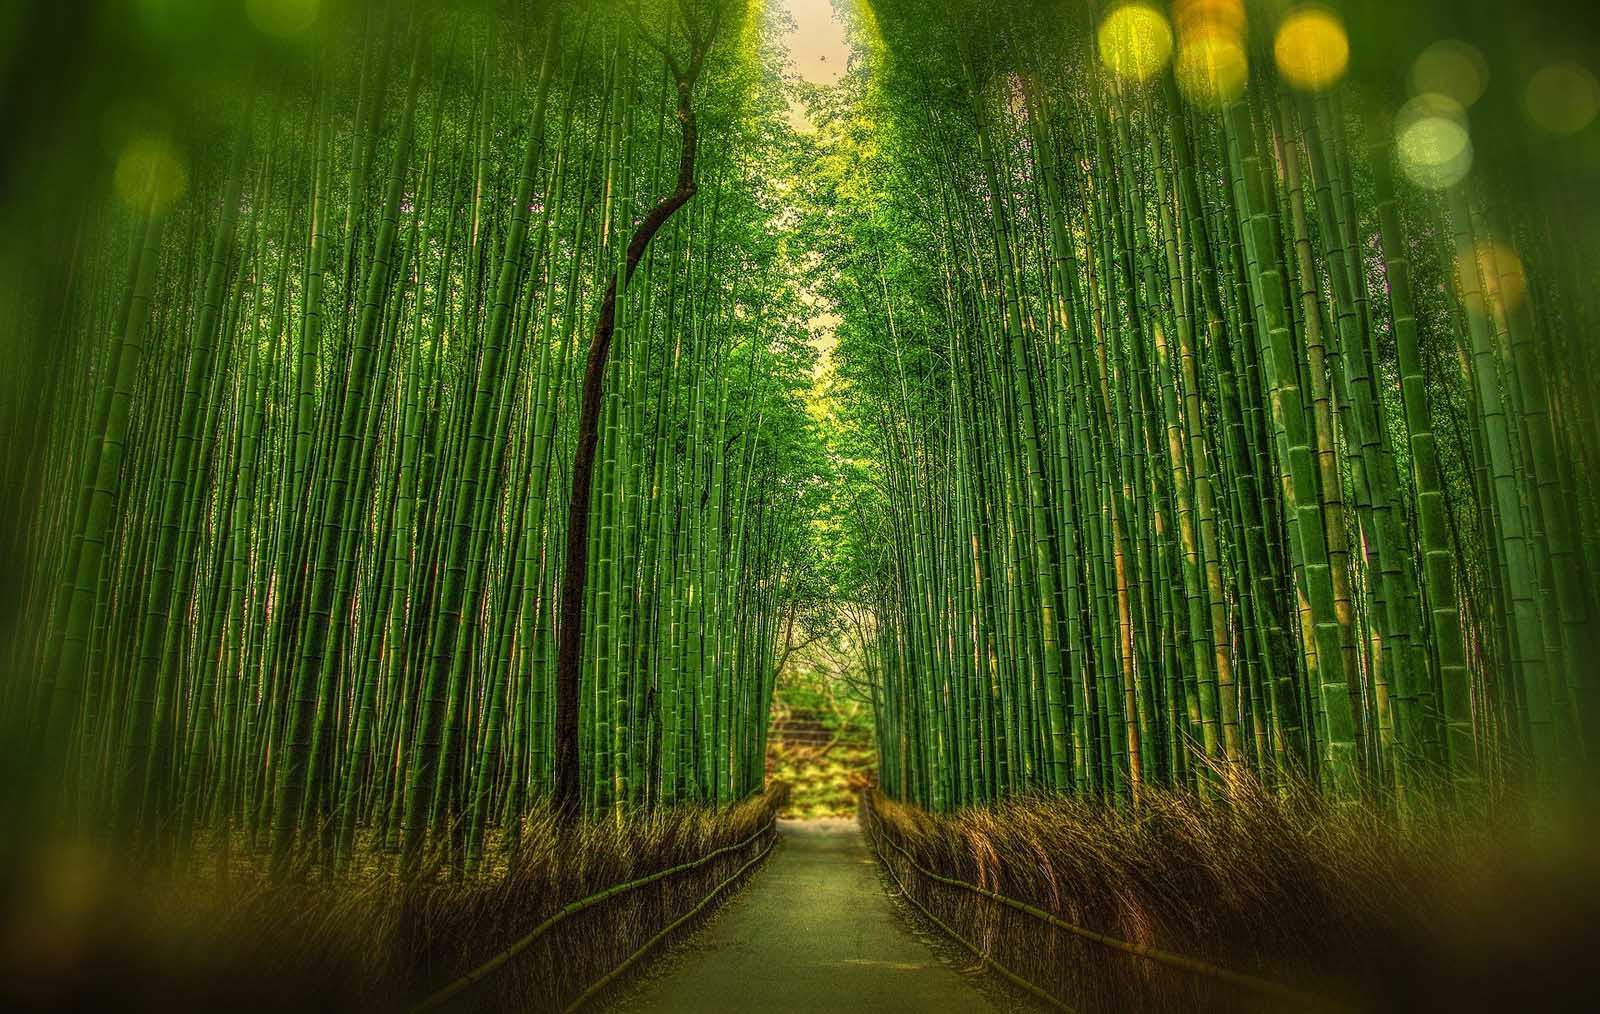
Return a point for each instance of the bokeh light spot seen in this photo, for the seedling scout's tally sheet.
(1212, 68)
(1312, 49)
(149, 174)
(1562, 98)
(1198, 16)
(1500, 271)
(1135, 41)
(1432, 141)
(1451, 68)
(283, 18)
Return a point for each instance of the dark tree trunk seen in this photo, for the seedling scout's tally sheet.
(567, 793)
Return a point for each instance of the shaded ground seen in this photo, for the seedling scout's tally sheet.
(813, 931)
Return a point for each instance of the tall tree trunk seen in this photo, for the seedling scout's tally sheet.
(567, 795)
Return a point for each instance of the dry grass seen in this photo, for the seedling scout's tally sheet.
(1454, 911)
(77, 935)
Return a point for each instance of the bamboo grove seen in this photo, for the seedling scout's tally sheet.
(300, 509)
(1197, 434)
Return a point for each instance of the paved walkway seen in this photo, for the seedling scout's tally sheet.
(812, 931)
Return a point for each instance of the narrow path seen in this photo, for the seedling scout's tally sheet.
(813, 931)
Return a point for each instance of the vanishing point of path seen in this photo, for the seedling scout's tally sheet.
(811, 931)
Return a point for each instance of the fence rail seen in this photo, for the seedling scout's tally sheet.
(457, 986)
(607, 979)
(1182, 962)
(992, 961)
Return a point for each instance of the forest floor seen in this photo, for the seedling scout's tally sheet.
(813, 931)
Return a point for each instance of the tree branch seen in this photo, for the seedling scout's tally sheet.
(567, 796)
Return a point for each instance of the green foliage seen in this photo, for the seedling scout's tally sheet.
(1179, 431)
(821, 744)
(296, 516)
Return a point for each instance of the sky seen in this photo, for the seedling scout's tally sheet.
(817, 49)
(819, 54)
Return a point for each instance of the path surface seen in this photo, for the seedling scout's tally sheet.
(812, 931)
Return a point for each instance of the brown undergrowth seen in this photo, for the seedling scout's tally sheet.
(1452, 911)
(77, 935)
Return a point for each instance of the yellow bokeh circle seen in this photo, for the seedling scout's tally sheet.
(1135, 41)
(1212, 68)
(149, 175)
(1501, 273)
(1195, 16)
(1432, 141)
(1312, 49)
(1562, 98)
(1451, 68)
